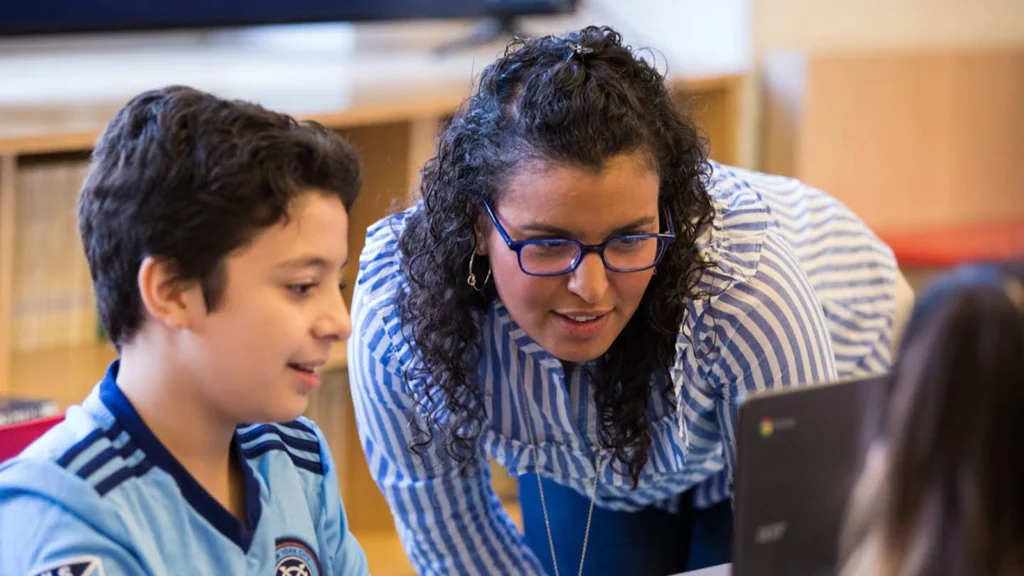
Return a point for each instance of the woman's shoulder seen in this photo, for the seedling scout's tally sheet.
(800, 213)
(784, 242)
(375, 315)
(781, 200)
(380, 261)
(750, 254)
(735, 239)
(756, 211)
(381, 243)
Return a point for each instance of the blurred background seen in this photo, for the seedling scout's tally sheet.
(911, 112)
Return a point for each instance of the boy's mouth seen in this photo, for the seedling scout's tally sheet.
(307, 373)
(310, 368)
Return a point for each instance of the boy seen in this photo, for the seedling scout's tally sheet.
(216, 235)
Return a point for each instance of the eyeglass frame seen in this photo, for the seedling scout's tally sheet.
(664, 240)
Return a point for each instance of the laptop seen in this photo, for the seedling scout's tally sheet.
(800, 452)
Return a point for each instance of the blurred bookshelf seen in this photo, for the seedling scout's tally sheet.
(389, 106)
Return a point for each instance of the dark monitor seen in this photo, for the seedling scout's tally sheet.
(43, 17)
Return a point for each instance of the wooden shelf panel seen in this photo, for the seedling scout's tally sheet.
(910, 140)
(65, 375)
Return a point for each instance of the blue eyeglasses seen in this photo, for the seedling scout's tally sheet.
(558, 256)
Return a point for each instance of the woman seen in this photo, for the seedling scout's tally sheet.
(583, 295)
(942, 495)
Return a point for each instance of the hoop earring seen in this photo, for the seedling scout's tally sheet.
(471, 279)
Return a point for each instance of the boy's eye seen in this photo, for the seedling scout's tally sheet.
(301, 289)
(343, 285)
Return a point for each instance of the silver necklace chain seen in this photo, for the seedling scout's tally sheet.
(543, 504)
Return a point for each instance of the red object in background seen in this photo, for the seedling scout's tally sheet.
(952, 246)
(16, 437)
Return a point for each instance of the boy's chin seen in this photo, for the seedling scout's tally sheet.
(286, 410)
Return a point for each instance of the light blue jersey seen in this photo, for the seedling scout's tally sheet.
(100, 495)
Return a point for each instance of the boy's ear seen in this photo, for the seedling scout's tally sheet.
(168, 299)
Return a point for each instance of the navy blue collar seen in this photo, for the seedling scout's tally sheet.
(238, 532)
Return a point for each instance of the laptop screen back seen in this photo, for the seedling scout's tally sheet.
(800, 451)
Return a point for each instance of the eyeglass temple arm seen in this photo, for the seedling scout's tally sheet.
(501, 229)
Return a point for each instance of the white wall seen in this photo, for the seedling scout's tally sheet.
(872, 25)
(881, 24)
(695, 35)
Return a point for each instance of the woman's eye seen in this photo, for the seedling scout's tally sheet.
(552, 245)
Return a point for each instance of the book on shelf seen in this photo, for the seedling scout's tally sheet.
(53, 302)
(15, 410)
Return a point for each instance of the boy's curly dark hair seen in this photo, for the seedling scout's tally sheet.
(579, 100)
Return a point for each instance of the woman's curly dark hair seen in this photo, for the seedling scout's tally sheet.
(577, 99)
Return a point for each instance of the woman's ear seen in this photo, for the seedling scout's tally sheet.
(480, 230)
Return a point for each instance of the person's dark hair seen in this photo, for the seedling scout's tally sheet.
(579, 100)
(185, 176)
(948, 498)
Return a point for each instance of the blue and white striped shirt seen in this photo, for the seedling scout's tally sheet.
(802, 292)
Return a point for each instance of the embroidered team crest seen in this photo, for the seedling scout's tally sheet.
(81, 566)
(295, 558)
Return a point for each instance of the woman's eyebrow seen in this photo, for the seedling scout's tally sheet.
(632, 226)
(542, 228)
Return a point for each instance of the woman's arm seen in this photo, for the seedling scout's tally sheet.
(771, 333)
(449, 523)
